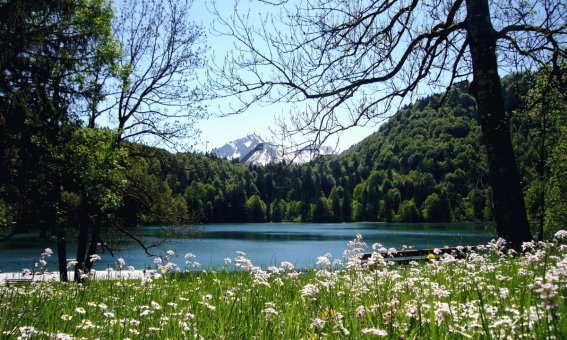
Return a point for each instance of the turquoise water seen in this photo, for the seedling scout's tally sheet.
(265, 244)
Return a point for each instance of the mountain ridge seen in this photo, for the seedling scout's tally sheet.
(255, 150)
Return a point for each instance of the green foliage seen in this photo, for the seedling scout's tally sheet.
(540, 140)
(556, 209)
(255, 209)
(321, 210)
(48, 53)
(96, 167)
(278, 210)
(409, 212)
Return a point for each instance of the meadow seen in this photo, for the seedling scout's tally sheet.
(492, 292)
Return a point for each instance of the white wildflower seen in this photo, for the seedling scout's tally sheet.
(309, 291)
(374, 331)
(561, 234)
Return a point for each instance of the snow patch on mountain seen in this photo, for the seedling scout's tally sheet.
(264, 152)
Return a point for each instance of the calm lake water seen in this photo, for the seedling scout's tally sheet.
(265, 244)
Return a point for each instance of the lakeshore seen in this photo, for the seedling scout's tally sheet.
(487, 294)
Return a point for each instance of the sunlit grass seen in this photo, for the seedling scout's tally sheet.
(492, 293)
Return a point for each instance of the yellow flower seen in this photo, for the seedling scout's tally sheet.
(328, 313)
(431, 256)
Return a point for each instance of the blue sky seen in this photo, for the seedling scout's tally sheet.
(216, 131)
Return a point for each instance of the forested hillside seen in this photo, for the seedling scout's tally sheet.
(427, 163)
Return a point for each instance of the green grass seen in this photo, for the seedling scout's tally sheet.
(486, 295)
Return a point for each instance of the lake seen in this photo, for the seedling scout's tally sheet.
(265, 243)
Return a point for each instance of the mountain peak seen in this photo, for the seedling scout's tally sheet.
(253, 149)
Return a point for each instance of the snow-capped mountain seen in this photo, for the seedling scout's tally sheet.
(253, 149)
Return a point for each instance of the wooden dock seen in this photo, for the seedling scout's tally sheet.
(417, 254)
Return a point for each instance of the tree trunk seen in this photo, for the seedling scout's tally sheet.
(509, 209)
(62, 257)
(95, 238)
(83, 239)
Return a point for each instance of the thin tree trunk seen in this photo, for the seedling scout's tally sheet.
(541, 170)
(509, 209)
(62, 257)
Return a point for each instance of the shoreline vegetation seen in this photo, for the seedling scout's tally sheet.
(492, 292)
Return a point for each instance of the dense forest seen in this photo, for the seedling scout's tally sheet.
(427, 163)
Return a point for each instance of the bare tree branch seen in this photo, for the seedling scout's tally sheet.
(153, 96)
